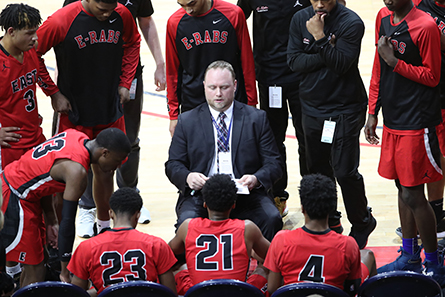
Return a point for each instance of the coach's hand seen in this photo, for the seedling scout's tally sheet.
(60, 103)
(370, 127)
(196, 180)
(124, 94)
(250, 181)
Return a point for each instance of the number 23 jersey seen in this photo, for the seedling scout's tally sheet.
(303, 255)
(216, 250)
(121, 255)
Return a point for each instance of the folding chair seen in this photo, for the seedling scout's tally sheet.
(305, 289)
(400, 283)
(223, 288)
(137, 289)
(51, 288)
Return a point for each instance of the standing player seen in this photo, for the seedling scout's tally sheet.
(96, 43)
(58, 165)
(122, 254)
(278, 85)
(218, 247)
(19, 117)
(408, 54)
(314, 252)
(199, 33)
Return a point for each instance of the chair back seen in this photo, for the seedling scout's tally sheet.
(137, 289)
(400, 283)
(223, 288)
(305, 289)
(51, 288)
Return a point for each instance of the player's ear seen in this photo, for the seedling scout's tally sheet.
(234, 205)
(10, 31)
(302, 209)
(204, 204)
(111, 213)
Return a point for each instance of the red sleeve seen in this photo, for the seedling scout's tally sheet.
(353, 260)
(51, 33)
(172, 65)
(428, 41)
(79, 262)
(132, 42)
(273, 255)
(247, 61)
(164, 257)
(417, 2)
(375, 78)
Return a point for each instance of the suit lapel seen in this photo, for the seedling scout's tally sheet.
(209, 138)
(238, 121)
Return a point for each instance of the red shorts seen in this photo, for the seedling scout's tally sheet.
(412, 157)
(440, 131)
(64, 123)
(9, 155)
(23, 230)
(184, 282)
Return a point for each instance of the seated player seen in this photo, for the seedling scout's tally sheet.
(218, 247)
(122, 254)
(314, 252)
(58, 164)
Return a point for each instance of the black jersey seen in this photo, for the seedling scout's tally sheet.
(271, 20)
(436, 11)
(93, 57)
(408, 93)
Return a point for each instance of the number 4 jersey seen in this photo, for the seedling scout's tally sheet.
(303, 255)
(121, 255)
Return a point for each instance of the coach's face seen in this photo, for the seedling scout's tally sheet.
(219, 88)
(100, 10)
(323, 7)
(195, 7)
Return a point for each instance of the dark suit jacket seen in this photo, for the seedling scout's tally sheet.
(253, 149)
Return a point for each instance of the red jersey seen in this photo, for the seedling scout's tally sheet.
(18, 103)
(29, 177)
(302, 255)
(216, 249)
(120, 255)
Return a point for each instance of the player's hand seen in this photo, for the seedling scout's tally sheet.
(7, 135)
(315, 26)
(196, 180)
(52, 232)
(124, 94)
(160, 80)
(64, 273)
(172, 127)
(250, 181)
(370, 128)
(386, 51)
(60, 103)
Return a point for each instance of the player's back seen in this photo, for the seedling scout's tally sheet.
(216, 249)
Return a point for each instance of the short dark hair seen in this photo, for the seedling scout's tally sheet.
(318, 195)
(106, 1)
(221, 65)
(114, 140)
(219, 192)
(19, 16)
(126, 201)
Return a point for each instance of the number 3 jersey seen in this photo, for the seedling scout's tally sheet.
(29, 177)
(18, 105)
(302, 255)
(121, 255)
(216, 250)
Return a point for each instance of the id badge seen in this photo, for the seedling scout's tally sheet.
(275, 97)
(133, 89)
(328, 131)
(225, 164)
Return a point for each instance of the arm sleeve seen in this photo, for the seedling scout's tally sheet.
(132, 42)
(273, 256)
(344, 54)
(428, 42)
(172, 69)
(165, 259)
(66, 229)
(78, 263)
(247, 61)
(145, 9)
(297, 59)
(245, 6)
